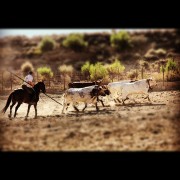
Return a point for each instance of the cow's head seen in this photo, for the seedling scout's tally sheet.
(151, 82)
(99, 91)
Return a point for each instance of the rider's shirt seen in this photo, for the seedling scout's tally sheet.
(29, 79)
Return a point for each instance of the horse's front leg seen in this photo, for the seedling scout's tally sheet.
(16, 109)
(35, 108)
(29, 106)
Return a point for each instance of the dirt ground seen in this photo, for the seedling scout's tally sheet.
(116, 127)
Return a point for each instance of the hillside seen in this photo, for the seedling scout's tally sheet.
(14, 51)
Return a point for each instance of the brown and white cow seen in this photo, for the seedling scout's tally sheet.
(87, 95)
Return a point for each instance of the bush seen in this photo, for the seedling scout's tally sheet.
(85, 69)
(160, 53)
(171, 65)
(45, 72)
(139, 40)
(75, 41)
(46, 44)
(26, 67)
(120, 40)
(115, 69)
(153, 54)
(144, 64)
(97, 71)
(66, 69)
(133, 74)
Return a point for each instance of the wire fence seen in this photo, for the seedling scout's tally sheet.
(59, 82)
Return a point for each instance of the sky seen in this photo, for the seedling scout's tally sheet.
(43, 32)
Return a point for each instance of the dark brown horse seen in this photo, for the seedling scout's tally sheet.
(22, 96)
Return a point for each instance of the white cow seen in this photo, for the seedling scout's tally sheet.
(87, 95)
(115, 88)
(137, 87)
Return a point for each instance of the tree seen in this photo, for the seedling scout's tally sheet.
(97, 71)
(171, 67)
(66, 71)
(46, 73)
(120, 40)
(26, 67)
(85, 69)
(47, 44)
(115, 69)
(74, 41)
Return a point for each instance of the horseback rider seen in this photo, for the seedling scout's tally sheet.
(29, 87)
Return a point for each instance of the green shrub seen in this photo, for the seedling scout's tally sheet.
(75, 41)
(45, 72)
(85, 69)
(120, 40)
(46, 44)
(114, 69)
(97, 71)
(26, 67)
(171, 65)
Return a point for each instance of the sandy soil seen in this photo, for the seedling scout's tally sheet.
(131, 127)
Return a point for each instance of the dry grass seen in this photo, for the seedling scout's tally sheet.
(132, 127)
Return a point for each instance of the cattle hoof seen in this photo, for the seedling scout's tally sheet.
(35, 117)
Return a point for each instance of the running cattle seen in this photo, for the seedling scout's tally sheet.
(86, 95)
(137, 87)
(116, 87)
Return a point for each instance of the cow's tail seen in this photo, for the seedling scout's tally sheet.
(7, 104)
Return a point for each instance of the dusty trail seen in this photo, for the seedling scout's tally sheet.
(142, 126)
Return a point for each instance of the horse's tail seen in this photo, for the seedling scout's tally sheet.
(7, 104)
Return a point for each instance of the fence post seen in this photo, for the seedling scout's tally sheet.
(49, 83)
(142, 72)
(37, 77)
(64, 82)
(2, 80)
(11, 81)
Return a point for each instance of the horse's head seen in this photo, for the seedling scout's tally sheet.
(42, 86)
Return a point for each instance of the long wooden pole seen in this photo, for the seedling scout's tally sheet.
(31, 85)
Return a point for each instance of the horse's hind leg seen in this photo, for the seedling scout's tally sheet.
(29, 106)
(35, 107)
(16, 109)
(11, 109)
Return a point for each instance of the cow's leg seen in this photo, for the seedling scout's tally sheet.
(115, 101)
(11, 109)
(148, 98)
(118, 100)
(65, 105)
(101, 102)
(16, 109)
(75, 108)
(29, 106)
(85, 107)
(35, 108)
(125, 100)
